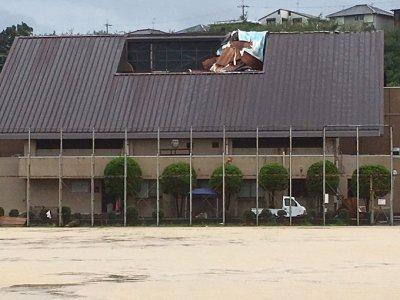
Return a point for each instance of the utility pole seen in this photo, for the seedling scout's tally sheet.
(108, 25)
(243, 6)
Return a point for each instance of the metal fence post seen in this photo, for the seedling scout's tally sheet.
(191, 177)
(158, 176)
(323, 175)
(28, 181)
(358, 174)
(290, 173)
(60, 181)
(257, 174)
(223, 175)
(125, 172)
(92, 180)
(391, 177)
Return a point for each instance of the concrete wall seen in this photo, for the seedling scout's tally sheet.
(44, 193)
(12, 187)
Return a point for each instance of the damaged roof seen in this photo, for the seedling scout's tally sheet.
(309, 80)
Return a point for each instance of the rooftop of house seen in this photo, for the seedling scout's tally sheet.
(308, 80)
(361, 9)
(298, 13)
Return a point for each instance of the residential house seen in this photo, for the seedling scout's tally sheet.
(283, 16)
(396, 15)
(363, 14)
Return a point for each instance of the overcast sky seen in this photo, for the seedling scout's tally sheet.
(84, 16)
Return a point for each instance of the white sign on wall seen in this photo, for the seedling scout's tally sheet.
(382, 202)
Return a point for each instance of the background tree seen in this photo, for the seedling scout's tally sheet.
(273, 178)
(175, 181)
(372, 177)
(7, 37)
(392, 57)
(315, 178)
(114, 178)
(233, 181)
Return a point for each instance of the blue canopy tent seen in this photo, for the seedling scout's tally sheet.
(205, 194)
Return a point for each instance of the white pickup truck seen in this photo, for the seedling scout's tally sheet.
(297, 209)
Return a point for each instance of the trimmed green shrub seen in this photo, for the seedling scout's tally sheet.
(111, 216)
(1, 211)
(233, 181)
(161, 215)
(77, 216)
(273, 178)
(312, 215)
(13, 213)
(66, 214)
(248, 217)
(315, 178)
(380, 177)
(281, 218)
(43, 215)
(114, 177)
(266, 215)
(132, 215)
(175, 181)
(343, 215)
(31, 215)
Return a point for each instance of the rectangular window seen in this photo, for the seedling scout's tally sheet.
(287, 202)
(148, 189)
(248, 189)
(215, 144)
(80, 144)
(271, 21)
(299, 188)
(170, 56)
(359, 18)
(277, 143)
(80, 186)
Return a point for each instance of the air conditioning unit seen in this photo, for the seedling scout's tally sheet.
(396, 151)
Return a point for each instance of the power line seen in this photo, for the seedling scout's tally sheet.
(107, 25)
(243, 6)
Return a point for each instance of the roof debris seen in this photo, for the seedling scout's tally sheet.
(242, 51)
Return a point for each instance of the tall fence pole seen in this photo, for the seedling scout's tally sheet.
(92, 180)
(125, 172)
(191, 177)
(28, 181)
(60, 181)
(358, 172)
(290, 173)
(391, 177)
(257, 173)
(158, 176)
(324, 175)
(223, 175)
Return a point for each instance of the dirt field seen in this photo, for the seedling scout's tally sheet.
(199, 263)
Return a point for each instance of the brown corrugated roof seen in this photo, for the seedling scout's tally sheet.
(309, 80)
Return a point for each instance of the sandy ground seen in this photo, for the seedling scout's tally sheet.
(200, 263)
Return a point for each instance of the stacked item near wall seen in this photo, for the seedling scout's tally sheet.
(243, 51)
